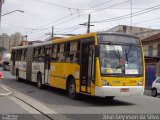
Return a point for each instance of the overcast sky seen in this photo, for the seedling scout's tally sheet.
(40, 15)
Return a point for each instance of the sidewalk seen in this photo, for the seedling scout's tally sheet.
(13, 109)
(7, 104)
(147, 92)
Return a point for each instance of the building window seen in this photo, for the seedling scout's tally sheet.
(150, 51)
(158, 50)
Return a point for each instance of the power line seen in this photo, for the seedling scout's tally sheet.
(109, 7)
(91, 12)
(94, 11)
(117, 18)
(128, 15)
(147, 20)
(73, 29)
(44, 36)
(62, 29)
(50, 3)
(20, 26)
(75, 13)
(68, 28)
(39, 37)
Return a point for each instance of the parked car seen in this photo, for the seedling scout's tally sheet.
(6, 61)
(156, 87)
(6, 66)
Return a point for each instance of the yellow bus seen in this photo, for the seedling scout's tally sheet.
(96, 64)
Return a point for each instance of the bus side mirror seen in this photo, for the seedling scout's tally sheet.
(97, 51)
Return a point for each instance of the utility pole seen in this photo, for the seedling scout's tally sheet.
(52, 31)
(89, 21)
(88, 24)
(131, 17)
(1, 1)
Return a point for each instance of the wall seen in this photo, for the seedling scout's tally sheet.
(139, 31)
(155, 48)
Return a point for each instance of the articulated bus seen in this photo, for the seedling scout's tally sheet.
(96, 64)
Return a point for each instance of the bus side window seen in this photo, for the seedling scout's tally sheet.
(21, 59)
(74, 51)
(67, 49)
(24, 55)
(54, 53)
(61, 57)
(18, 55)
(41, 54)
(48, 51)
(36, 52)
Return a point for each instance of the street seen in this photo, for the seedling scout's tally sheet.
(58, 101)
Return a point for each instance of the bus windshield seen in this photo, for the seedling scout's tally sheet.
(121, 59)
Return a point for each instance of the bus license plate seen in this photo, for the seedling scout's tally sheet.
(124, 90)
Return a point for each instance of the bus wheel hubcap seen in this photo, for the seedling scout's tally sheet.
(72, 89)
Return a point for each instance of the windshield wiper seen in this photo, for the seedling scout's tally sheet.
(119, 66)
(115, 51)
(126, 53)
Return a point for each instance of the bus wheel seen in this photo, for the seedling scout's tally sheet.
(17, 76)
(39, 81)
(71, 88)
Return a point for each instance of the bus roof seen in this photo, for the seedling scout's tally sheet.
(92, 34)
(118, 33)
(75, 37)
(34, 45)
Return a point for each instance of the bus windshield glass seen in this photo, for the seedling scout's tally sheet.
(121, 59)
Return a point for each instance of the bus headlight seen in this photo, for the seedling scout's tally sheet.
(105, 83)
(140, 83)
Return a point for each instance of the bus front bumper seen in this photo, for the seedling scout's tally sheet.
(119, 91)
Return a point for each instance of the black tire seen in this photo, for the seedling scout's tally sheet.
(154, 92)
(17, 76)
(39, 81)
(71, 89)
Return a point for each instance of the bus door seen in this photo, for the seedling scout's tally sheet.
(87, 66)
(47, 64)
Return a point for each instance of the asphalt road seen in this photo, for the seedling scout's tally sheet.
(78, 109)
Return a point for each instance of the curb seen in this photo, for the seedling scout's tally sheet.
(8, 91)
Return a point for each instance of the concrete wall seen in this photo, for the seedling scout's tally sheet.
(139, 31)
(155, 48)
